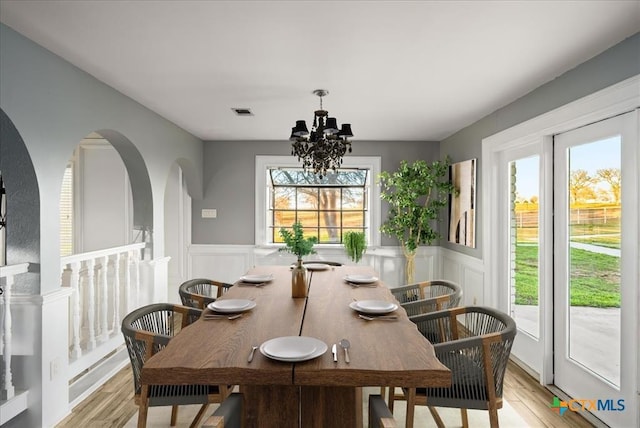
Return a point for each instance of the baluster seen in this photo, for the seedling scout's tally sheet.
(91, 303)
(136, 272)
(127, 282)
(76, 350)
(104, 300)
(7, 390)
(116, 292)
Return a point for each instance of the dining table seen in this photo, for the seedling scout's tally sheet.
(312, 392)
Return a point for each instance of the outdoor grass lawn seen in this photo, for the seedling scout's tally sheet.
(595, 278)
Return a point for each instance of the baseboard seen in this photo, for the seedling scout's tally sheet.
(98, 375)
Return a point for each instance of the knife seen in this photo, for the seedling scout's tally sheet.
(334, 351)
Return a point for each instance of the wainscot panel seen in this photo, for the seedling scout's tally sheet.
(469, 273)
(229, 262)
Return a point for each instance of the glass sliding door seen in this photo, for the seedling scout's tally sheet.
(594, 295)
(523, 199)
(524, 227)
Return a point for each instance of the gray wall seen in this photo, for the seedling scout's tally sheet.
(229, 183)
(54, 105)
(614, 65)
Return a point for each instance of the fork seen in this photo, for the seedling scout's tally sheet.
(356, 285)
(381, 318)
(251, 284)
(220, 317)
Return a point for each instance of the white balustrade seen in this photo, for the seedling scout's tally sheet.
(75, 310)
(104, 299)
(91, 307)
(7, 280)
(106, 286)
(116, 292)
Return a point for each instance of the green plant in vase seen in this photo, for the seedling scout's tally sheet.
(355, 244)
(296, 243)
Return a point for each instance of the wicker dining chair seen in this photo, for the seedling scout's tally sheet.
(199, 292)
(228, 414)
(148, 330)
(428, 296)
(379, 414)
(474, 342)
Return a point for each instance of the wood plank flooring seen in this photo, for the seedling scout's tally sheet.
(112, 404)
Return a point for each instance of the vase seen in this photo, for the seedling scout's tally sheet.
(299, 280)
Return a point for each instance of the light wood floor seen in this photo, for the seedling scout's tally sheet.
(112, 404)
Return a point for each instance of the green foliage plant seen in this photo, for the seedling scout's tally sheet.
(416, 194)
(355, 244)
(296, 243)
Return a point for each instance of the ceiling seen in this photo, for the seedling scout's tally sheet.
(395, 70)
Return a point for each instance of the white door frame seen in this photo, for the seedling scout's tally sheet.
(619, 98)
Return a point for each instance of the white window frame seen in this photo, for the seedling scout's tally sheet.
(263, 163)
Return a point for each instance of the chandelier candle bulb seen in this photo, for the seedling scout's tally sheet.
(326, 145)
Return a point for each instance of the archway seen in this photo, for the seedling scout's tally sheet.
(22, 203)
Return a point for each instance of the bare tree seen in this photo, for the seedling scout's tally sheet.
(580, 185)
(612, 177)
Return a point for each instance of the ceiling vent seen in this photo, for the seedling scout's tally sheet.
(242, 111)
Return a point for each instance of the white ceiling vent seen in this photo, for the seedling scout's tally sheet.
(242, 111)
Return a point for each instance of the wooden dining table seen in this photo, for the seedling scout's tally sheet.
(313, 393)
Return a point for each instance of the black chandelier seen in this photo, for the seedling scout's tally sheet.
(325, 146)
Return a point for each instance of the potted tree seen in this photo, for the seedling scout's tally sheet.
(355, 244)
(416, 194)
(296, 243)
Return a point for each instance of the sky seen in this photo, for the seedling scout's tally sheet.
(591, 157)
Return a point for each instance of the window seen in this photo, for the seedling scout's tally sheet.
(326, 208)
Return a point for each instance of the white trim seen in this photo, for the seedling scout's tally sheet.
(12, 270)
(616, 99)
(374, 163)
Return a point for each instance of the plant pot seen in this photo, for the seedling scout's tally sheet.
(299, 280)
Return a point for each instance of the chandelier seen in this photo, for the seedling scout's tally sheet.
(325, 146)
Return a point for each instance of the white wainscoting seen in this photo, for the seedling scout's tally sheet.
(228, 262)
(469, 273)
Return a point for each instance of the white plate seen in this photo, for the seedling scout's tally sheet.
(360, 279)
(373, 306)
(293, 348)
(231, 305)
(317, 266)
(256, 278)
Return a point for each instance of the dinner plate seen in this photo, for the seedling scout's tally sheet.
(360, 279)
(317, 266)
(293, 348)
(256, 278)
(231, 305)
(373, 306)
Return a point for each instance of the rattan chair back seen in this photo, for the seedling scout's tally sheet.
(199, 292)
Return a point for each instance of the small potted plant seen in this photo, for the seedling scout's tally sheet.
(355, 244)
(296, 243)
